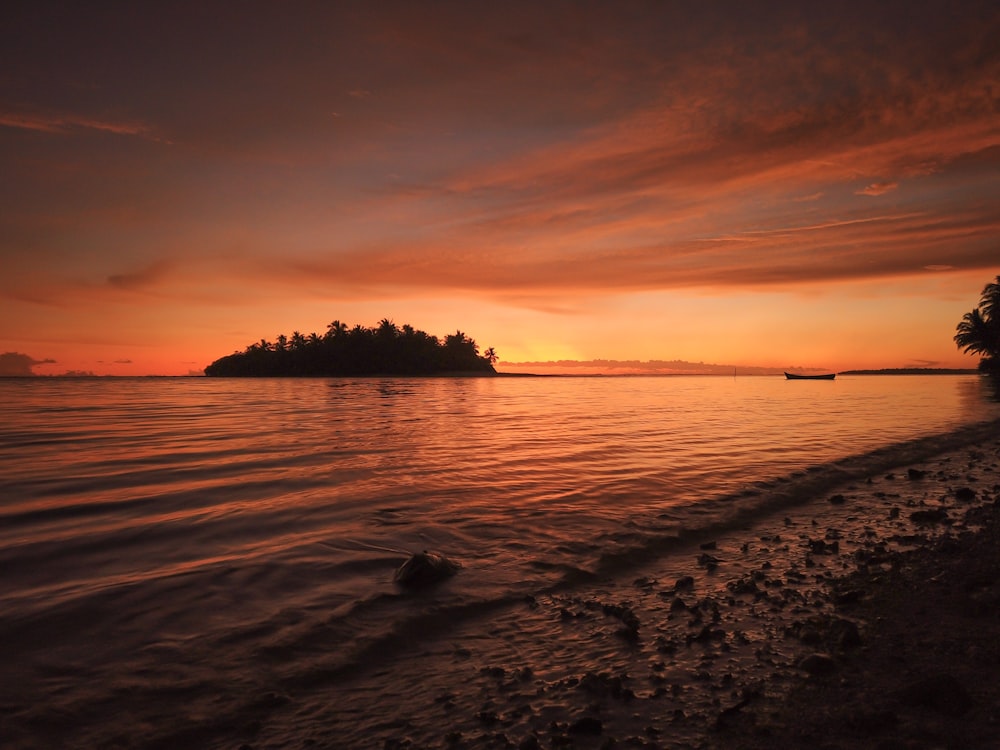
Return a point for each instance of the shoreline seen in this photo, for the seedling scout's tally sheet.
(829, 623)
(847, 623)
(921, 672)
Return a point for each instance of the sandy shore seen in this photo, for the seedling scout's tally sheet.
(869, 619)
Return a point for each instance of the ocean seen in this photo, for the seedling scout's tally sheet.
(200, 560)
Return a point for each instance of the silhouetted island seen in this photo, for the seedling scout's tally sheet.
(383, 350)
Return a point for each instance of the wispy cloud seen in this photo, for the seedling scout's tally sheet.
(145, 277)
(68, 123)
(878, 188)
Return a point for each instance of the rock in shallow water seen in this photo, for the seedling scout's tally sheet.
(424, 569)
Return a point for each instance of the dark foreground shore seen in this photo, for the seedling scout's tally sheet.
(911, 654)
(870, 619)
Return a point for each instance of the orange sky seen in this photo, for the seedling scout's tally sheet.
(792, 186)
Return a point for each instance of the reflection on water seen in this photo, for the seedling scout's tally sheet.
(989, 388)
(196, 526)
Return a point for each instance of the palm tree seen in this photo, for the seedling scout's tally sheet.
(491, 355)
(456, 339)
(979, 331)
(387, 328)
(336, 329)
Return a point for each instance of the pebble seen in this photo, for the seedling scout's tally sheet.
(817, 664)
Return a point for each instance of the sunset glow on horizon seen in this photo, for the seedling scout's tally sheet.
(790, 187)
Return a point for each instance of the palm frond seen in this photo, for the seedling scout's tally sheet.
(972, 334)
(989, 302)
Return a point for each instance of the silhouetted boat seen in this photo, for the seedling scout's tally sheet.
(793, 376)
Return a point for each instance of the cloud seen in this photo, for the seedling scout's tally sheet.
(542, 251)
(539, 158)
(152, 274)
(878, 188)
(67, 123)
(15, 364)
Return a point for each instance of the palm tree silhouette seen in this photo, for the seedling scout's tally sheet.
(336, 329)
(979, 330)
(387, 328)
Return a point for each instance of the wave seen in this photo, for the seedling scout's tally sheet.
(393, 623)
(421, 623)
(747, 507)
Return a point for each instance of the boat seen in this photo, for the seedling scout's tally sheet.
(826, 376)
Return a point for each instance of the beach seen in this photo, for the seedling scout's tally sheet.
(870, 619)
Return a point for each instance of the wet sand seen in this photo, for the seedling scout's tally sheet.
(869, 619)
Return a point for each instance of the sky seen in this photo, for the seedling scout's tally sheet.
(741, 184)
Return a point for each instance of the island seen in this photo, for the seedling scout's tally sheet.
(385, 349)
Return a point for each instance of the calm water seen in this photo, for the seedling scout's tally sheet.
(199, 537)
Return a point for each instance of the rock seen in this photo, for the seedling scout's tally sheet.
(847, 596)
(965, 494)
(844, 633)
(487, 717)
(822, 547)
(707, 633)
(586, 725)
(731, 713)
(914, 474)
(628, 618)
(744, 585)
(932, 515)
(684, 583)
(817, 664)
(424, 569)
(830, 631)
(837, 500)
(605, 685)
(708, 561)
